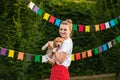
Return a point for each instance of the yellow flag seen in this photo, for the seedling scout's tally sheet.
(46, 16)
(87, 28)
(73, 57)
(11, 53)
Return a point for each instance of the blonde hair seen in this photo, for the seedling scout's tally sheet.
(68, 22)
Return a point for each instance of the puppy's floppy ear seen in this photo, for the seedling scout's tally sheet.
(54, 43)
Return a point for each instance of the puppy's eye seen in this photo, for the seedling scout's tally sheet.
(56, 41)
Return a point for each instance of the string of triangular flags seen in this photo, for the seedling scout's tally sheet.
(41, 58)
(76, 27)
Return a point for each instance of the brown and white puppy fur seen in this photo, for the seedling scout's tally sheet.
(52, 47)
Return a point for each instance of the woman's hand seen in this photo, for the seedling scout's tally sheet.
(52, 61)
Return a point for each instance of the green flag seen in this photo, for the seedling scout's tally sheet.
(40, 11)
(116, 21)
(96, 51)
(118, 39)
(37, 58)
(75, 27)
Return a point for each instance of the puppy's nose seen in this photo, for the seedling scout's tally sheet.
(58, 45)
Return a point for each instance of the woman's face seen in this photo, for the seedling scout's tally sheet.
(64, 31)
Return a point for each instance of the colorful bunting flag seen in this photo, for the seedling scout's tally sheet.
(97, 27)
(37, 58)
(96, 51)
(28, 57)
(100, 49)
(116, 21)
(11, 53)
(92, 28)
(44, 59)
(109, 44)
(40, 11)
(75, 27)
(84, 55)
(102, 26)
(104, 46)
(107, 25)
(57, 22)
(118, 39)
(52, 19)
(114, 42)
(3, 51)
(78, 56)
(89, 53)
(73, 57)
(20, 56)
(46, 16)
(112, 23)
(35, 9)
(81, 28)
(119, 18)
(31, 5)
(87, 28)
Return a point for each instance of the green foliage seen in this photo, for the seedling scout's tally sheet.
(23, 30)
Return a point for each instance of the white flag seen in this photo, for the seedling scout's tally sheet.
(31, 5)
(45, 59)
(109, 44)
(107, 25)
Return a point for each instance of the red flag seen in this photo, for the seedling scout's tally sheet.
(81, 28)
(52, 19)
(78, 56)
(102, 26)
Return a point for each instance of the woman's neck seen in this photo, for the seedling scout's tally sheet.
(66, 38)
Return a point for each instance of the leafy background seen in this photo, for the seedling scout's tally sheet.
(23, 30)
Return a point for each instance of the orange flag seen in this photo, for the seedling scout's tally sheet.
(78, 57)
(84, 55)
(89, 53)
(97, 27)
(20, 55)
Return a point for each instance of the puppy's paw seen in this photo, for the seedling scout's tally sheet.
(54, 50)
(45, 46)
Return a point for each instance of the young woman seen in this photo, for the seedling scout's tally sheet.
(62, 59)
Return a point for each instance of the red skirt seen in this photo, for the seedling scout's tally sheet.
(59, 72)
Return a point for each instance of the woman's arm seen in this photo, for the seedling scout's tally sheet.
(60, 57)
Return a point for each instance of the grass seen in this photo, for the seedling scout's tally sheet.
(96, 77)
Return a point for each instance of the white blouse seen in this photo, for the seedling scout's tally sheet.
(66, 47)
